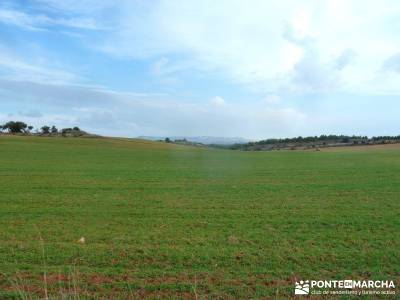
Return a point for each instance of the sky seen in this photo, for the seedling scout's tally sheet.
(254, 69)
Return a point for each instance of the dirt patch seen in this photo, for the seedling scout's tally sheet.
(183, 286)
(100, 279)
(56, 278)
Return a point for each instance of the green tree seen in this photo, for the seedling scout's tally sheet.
(45, 129)
(15, 127)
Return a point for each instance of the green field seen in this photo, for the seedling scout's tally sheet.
(162, 220)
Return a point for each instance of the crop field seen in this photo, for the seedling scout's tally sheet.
(169, 221)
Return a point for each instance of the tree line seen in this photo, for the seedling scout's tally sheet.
(15, 127)
(322, 140)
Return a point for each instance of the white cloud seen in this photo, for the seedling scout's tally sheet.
(272, 99)
(158, 68)
(267, 46)
(115, 113)
(248, 43)
(16, 68)
(392, 63)
(126, 114)
(41, 22)
(281, 49)
(79, 6)
(218, 101)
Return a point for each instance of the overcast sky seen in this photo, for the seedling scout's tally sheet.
(253, 69)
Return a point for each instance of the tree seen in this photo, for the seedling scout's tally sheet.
(45, 129)
(15, 127)
(66, 130)
(76, 128)
(29, 130)
(167, 140)
(54, 129)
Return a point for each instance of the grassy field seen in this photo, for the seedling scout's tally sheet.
(162, 220)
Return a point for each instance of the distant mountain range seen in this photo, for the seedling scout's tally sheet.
(206, 140)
